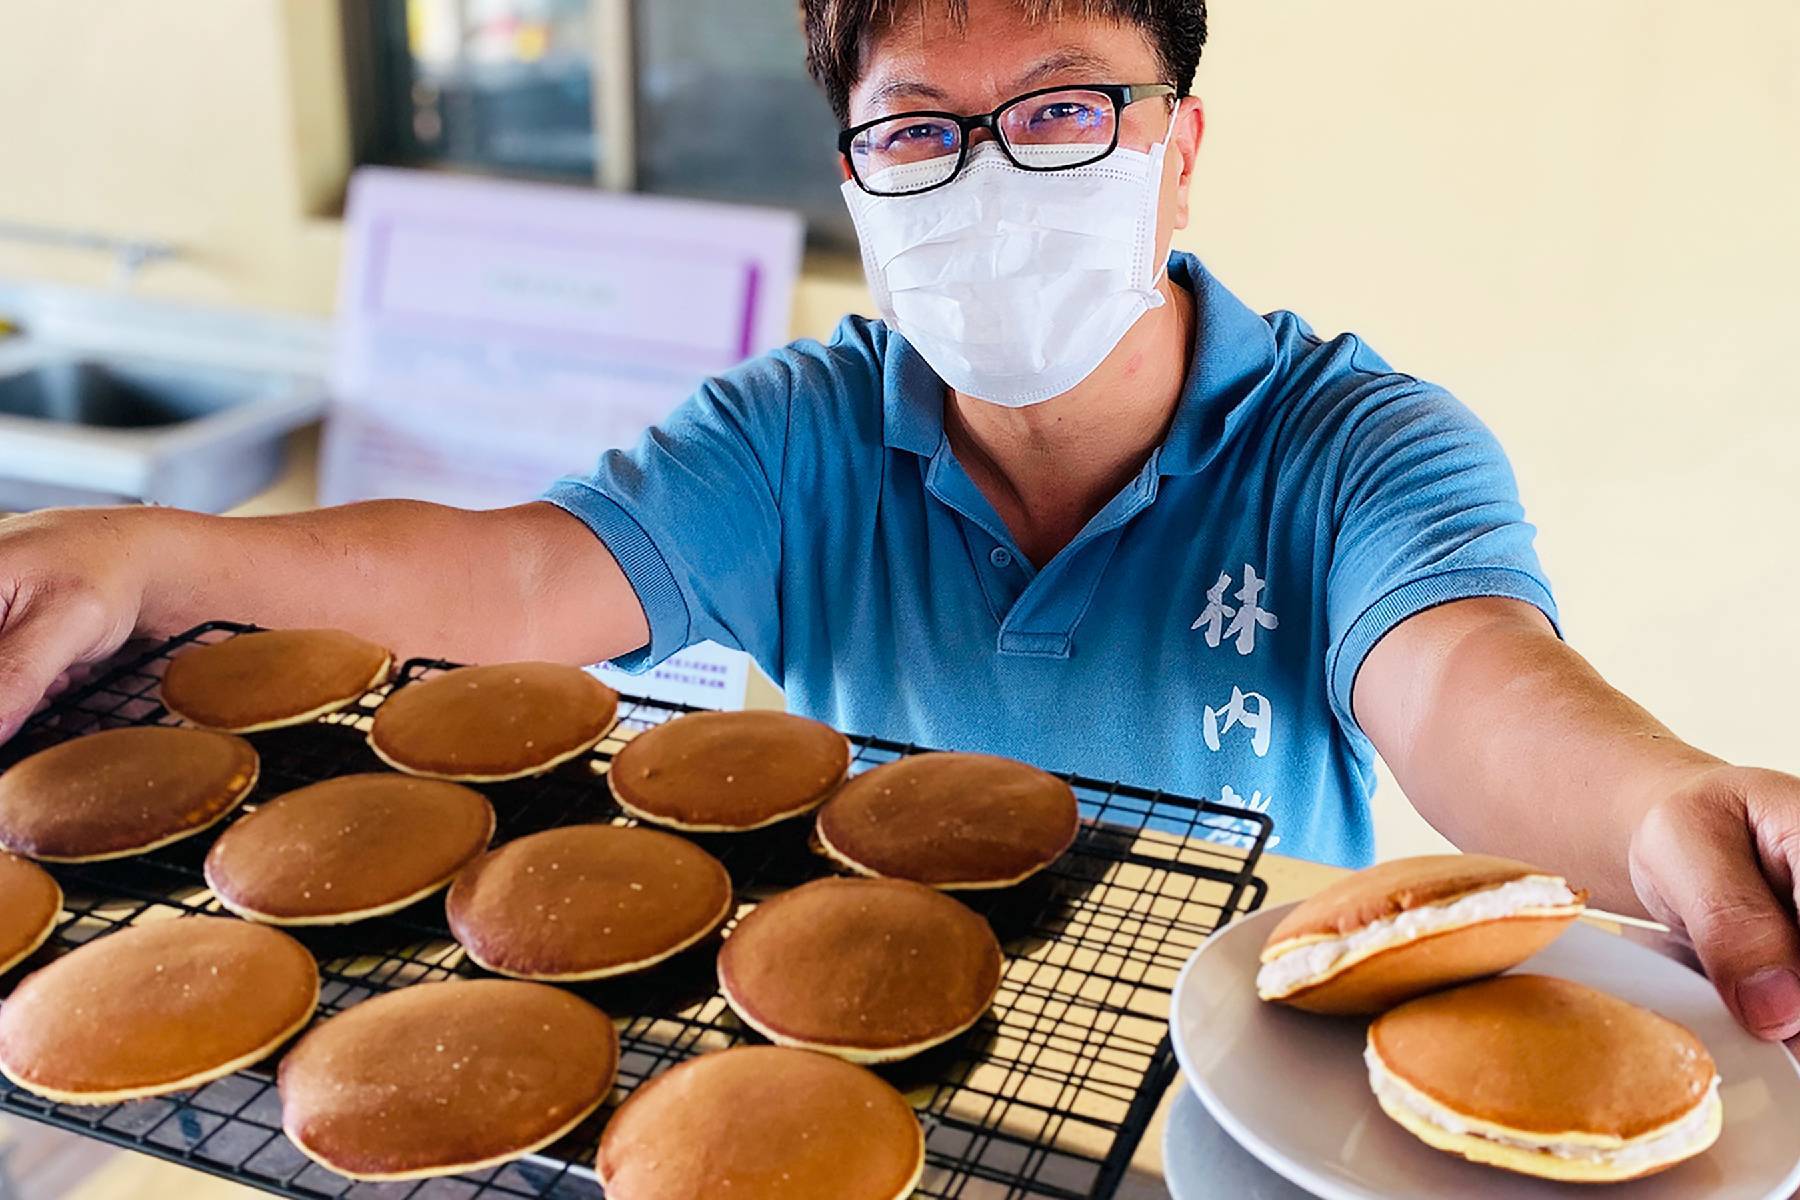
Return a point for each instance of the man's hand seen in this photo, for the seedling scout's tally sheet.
(70, 591)
(1717, 862)
(1509, 742)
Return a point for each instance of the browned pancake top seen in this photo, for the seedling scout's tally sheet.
(863, 964)
(1545, 1055)
(762, 1123)
(1391, 888)
(731, 770)
(260, 679)
(587, 898)
(155, 1004)
(441, 1075)
(30, 902)
(477, 722)
(122, 790)
(947, 818)
(349, 845)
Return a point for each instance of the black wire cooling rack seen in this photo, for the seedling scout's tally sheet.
(1047, 1097)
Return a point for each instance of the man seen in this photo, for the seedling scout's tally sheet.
(1072, 502)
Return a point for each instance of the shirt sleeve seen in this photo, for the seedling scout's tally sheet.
(1426, 511)
(692, 514)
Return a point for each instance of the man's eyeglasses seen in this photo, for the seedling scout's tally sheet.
(1051, 129)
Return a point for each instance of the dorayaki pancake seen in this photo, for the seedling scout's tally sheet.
(156, 1008)
(122, 791)
(30, 902)
(440, 1078)
(272, 678)
(1546, 1077)
(762, 1123)
(587, 902)
(486, 724)
(728, 771)
(348, 848)
(871, 970)
(954, 821)
(1410, 926)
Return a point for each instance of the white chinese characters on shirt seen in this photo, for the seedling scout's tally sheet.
(1238, 625)
(1251, 710)
(1246, 618)
(1241, 832)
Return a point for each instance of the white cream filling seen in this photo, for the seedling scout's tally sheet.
(1676, 1140)
(1312, 960)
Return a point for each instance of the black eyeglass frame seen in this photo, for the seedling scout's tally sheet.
(1123, 95)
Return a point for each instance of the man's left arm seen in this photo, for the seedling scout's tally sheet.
(1508, 741)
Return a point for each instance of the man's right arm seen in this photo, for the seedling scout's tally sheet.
(529, 582)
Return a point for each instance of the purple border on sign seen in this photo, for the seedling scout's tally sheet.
(752, 284)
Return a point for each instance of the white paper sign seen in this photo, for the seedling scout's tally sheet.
(494, 336)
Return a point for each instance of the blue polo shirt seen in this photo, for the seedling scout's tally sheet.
(1200, 635)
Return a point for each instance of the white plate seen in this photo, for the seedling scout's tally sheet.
(1201, 1162)
(1292, 1089)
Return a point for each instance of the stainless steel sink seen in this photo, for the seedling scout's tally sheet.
(115, 396)
(80, 427)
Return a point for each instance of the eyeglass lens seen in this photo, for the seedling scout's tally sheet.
(1054, 130)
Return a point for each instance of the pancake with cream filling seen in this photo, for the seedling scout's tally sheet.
(1546, 1077)
(1411, 926)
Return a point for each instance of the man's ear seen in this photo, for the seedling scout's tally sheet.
(1184, 145)
(844, 168)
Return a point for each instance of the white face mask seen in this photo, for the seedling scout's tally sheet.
(1016, 284)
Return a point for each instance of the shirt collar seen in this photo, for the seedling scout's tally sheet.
(1233, 358)
(912, 399)
(1233, 361)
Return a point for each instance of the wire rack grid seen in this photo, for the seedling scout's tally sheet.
(1048, 1097)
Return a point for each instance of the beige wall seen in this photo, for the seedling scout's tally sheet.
(217, 125)
(1584, 218)
(1579, 216)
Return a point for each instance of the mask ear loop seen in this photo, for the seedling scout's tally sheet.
(1162, 267)
(1174, 111)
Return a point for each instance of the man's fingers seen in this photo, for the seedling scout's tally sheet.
(1748, 948)
(35, 651)
(1709, 877)
(73, 677)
